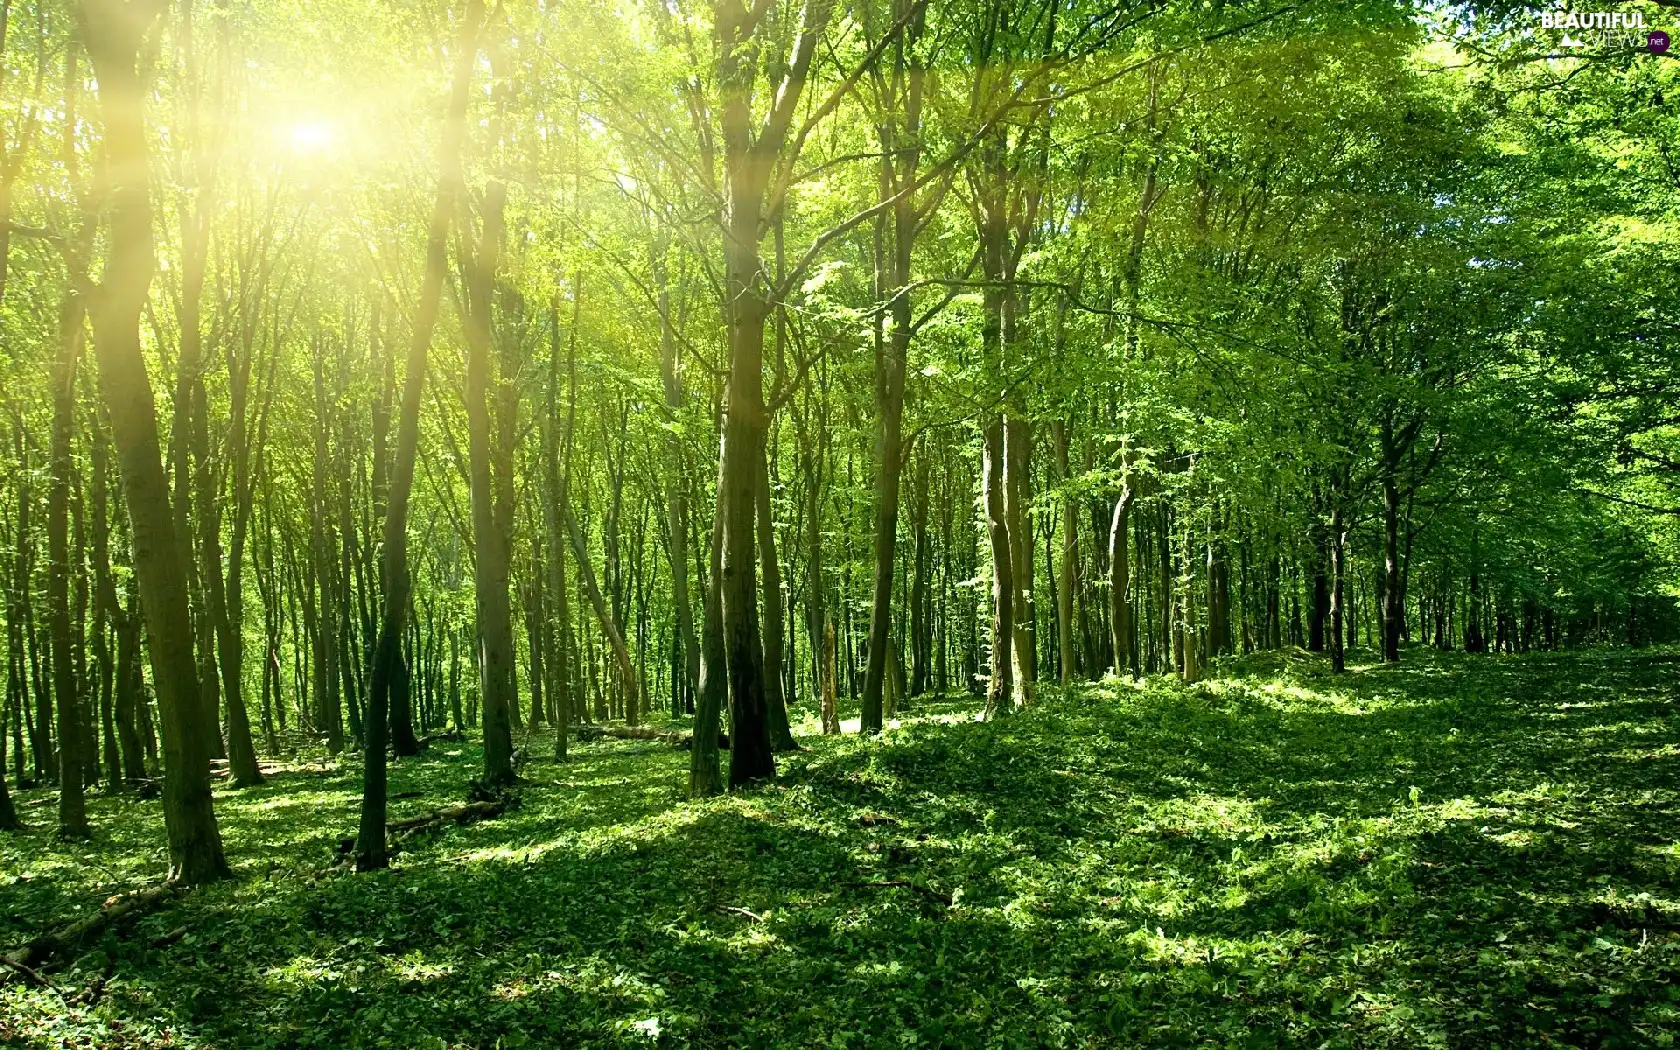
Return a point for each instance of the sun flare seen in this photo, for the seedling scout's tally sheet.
(311, 136)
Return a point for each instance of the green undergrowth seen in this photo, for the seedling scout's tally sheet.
(1456, 852)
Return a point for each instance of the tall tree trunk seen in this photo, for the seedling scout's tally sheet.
(490, 563)
(1000, 695)
(747, 160)
(705, 774)
(610, 626)
(72, 809)
(1318, 550)
(112, 31)
(394, 575)
(107, 609)
(328, 711)
(892, 282)
(1119, 569)
(19, 617)
(1017, 497)
(1394, 590)
(921, 601)
(1067, 579)
(781, 733)
(1338, 587)
(676, 480)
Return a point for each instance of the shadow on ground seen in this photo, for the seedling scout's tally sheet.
(1452, 853)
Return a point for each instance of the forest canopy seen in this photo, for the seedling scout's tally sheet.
(723, 373)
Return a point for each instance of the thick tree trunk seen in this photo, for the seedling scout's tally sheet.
(112, 33)
(889, 453)
(746, 170)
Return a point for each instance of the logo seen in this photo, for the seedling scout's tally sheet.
(1605, 30)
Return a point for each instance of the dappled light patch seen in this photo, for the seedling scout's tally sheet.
(1418, 857)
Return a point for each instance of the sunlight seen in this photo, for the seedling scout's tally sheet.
(311, 136)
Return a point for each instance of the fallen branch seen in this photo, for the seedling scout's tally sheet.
(468, 813)
(220, 770)
(926, 891)
(685, 741)
(452, 736)
(117, 909)
(29, 975)
(731, 909)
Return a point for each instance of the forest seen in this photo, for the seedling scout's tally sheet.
(712, 523)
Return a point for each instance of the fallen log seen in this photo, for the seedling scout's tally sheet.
(120, 908)
(452, 736)
(685, 741)
(467, 813)
(219, 769)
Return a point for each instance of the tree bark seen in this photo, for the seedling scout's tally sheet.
(1000, 693)
(1119, 569)
(112, 31)
(394, 577)
(490, 563)
(781, 733)
(1067, 579)
(705, 774)
(610, 626)
(72, 808)
(1338, 583)
(676, 480)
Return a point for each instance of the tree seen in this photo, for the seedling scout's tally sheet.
(112, 31)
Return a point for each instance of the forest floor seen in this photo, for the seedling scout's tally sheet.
(1456, 852)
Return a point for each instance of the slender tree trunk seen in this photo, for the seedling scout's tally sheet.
(1000, 694)
(921, 629)
(1067, 579)
(1017, 475)
(1394, 591)
(107, 610)
(490, 563)
(705, 774)
(1318, 551)
(1119, 569)
(72, 809)
(394, 576)
(781, 733)
(610, 625)
(1338, 591)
